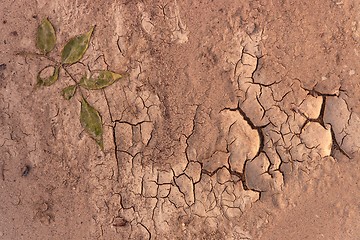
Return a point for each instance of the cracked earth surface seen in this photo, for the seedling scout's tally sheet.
(237, 121)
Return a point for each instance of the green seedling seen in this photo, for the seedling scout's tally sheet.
(75, 48)
(73, 52)
(91, 121)
(45, 37)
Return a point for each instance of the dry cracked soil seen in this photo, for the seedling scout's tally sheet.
(236, 120)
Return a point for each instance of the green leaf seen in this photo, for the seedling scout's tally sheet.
(48, 80)
(100, 80)
(69, 92)
(91, 121)
(45, 36)
(76, 47)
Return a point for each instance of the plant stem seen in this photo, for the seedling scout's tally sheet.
(37, 55)
(72, 78)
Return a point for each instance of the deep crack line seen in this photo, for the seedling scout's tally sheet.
(261, 136)
(116, 152)
(336, 146)
(257, 128)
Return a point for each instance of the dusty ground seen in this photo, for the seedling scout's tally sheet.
(239, 120)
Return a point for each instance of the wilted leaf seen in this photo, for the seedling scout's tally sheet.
(45, 37)
(48, 80)
(69, 92)
(76, 47)
(91, 121)
(99, 80)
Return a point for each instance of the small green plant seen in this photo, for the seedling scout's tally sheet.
(73, 52)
